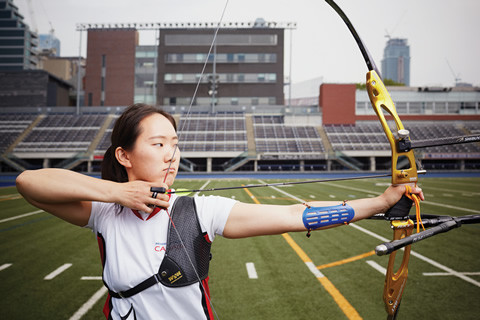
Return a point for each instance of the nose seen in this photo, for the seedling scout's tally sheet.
(172, 154)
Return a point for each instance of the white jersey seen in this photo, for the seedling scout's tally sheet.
(135, 244)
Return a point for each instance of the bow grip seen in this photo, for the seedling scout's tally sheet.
(400, 210)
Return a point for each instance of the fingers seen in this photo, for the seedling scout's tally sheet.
(158, 196)
(418, 191)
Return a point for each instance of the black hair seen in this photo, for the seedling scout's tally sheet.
(125, 134)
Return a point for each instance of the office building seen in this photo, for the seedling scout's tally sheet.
(110, 71)
(245, 66)
(17, 43)
(50, 43)
(396, 61)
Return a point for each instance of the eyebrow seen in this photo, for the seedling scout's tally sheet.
(163, 137)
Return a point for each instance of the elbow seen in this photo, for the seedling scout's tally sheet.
(22, 181)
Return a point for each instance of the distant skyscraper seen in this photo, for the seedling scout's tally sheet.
(48, 42)
(396, 61)
(17, 42)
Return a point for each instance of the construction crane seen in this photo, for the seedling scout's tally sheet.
(455, 76)
(32, 16)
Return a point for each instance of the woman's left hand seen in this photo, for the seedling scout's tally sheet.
(393, 194)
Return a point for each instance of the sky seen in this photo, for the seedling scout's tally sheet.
(443, 35)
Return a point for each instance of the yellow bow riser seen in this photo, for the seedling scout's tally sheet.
(381, 100)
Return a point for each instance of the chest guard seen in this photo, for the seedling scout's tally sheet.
(177, 268)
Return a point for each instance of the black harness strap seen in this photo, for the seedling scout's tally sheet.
(176, 269)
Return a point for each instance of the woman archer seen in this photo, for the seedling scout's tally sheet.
(155, 248)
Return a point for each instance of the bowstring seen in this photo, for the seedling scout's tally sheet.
(187, 114)
(207, 296)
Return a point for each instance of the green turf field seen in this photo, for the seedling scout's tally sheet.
(444, 272)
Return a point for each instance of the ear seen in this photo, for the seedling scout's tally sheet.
(122, 157)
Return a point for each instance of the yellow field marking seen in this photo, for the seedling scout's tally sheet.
(343, 303)
(279, 198)
(340, 262)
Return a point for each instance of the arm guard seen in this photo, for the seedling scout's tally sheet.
(317, 217)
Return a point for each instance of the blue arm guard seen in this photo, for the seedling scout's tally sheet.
(317, 217)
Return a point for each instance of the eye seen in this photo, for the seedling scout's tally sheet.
(158, 144)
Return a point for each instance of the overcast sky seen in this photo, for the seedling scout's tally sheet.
(437, 31)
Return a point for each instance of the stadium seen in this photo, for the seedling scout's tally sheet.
(237, 133)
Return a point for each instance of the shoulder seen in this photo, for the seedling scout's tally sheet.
(214, 200)
(102, 211)
(213, 212)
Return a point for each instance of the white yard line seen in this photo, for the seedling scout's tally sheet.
(252, 272)
(89, 304)
(5, 266)
(202, 187)
(56, 272)
(413, 253)
(452, 190)
(21, 216)
(438, 204)
(377, 267)
(436, 274)
(91, 278)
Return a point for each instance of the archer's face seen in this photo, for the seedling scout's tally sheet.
(153, 151)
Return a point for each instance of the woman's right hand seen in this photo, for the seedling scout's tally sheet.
(137, 195)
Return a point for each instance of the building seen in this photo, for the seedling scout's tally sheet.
(110, 71)
(32, 88)
(146, 74)
(245, 66)
(396, 61)
(48, 42)
(17, 43)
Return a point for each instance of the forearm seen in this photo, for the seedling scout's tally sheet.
(362, 208)
(248, 220)
(52, 186)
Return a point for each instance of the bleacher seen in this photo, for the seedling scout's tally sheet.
(12, 126)
(273, 136)
(429, 130)
(267, 137)
(365, 136)
(206, 132)
(61, 133)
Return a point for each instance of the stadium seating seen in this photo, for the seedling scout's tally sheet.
(273, 136)
(62, 133)
(12, 126)
(227, 134)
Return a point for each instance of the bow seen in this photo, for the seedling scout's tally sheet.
(401, 223)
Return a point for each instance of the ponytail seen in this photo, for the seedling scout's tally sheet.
(111, 169)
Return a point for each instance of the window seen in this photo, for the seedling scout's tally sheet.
(222, 39)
